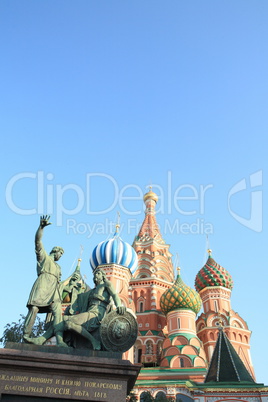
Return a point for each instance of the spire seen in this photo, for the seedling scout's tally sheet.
(226, 365)
(117, 226)
(150, 228)
(153, 252)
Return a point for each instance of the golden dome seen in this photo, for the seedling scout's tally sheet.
(150, 196)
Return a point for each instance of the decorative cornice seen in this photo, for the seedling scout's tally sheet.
(149, 282)
(215, 290)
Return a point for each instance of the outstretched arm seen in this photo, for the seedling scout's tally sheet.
(44, 221)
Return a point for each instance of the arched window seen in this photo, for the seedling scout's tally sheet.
(141, 304)
(143, 396)
(149, 347)
(159, 352)
(160, 395)
(181, 362)
(159, 348)
(137, 353)
(183, 398)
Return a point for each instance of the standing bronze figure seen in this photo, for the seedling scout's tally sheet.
(45, 295)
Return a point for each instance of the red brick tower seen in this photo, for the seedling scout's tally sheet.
(153, 276)
(214, 284)
(182, 349)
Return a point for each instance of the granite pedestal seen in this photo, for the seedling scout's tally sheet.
(49, 373)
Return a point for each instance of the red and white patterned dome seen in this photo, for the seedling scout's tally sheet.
(213, 274)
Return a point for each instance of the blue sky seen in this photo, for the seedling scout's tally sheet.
(101, 99)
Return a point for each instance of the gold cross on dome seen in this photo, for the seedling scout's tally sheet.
(117, 226)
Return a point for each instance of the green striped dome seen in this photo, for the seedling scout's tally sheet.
(180, 296)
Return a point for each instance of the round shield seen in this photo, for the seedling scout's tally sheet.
(118, 332)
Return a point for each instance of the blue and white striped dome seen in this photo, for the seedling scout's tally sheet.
(114, 251)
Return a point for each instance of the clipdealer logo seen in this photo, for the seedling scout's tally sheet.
(185, 200)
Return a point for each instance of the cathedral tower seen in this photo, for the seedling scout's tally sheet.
(214, 284)
(153, 276)
(182, 349)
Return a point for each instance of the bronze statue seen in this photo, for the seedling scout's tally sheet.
(93, 304)
(45, 295)
(89, 320)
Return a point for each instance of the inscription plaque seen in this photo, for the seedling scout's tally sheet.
(61, 387)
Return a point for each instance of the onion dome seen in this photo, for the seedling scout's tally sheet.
(150, 196)
(213, 274)
(114, 251)
(180, 296)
